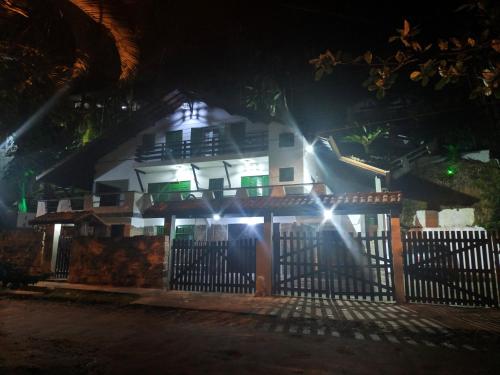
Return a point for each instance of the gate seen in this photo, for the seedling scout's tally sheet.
(324, 264)
(451, 267)
(216, 266)
(63, 253)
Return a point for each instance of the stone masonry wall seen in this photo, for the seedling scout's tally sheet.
(133, 261)
(23, 249)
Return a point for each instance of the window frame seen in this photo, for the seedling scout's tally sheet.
(284, 141)
(284, 170)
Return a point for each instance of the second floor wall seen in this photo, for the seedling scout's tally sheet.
(262, 154)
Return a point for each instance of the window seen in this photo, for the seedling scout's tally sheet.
(286, 174)
(287, 140)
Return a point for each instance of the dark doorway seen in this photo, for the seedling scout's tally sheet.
(64, 252)
(216, 185)
(117, 231)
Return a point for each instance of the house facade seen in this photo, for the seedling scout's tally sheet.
(196, 152)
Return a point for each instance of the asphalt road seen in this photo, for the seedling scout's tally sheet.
(45, 337)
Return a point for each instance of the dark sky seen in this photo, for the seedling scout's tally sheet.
(217, 47)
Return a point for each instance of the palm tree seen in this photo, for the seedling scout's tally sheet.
(52, 30)
(366, 137)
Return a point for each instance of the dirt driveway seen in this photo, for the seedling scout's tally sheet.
(43, 337)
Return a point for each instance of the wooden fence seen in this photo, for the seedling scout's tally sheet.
(326, 264)
(452, 267)
(215, 266)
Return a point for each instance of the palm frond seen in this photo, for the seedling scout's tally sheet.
(125, 41)
(13, 8)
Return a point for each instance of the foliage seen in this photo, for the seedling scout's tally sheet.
(42, 49)
(366, 137)
(52, 30)
(473, 58)
(264, 95)
(489, 208)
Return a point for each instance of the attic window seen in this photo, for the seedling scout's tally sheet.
(286, 140)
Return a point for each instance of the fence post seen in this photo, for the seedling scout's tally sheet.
(397, 260)
(169, 233)
(264, 259)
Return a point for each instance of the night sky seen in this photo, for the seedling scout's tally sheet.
(215, 48)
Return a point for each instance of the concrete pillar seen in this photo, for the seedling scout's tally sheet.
(169, 230)
(397, 260)
(55, 245)
(264, 259)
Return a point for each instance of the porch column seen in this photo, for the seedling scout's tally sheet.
(169, 233)
(397, 260)
(264, 259)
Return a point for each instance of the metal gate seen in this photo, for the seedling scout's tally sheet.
(452, 267)
(215, 266)
(63, 254)
(326, 264)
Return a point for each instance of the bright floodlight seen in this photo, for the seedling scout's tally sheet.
(327, 214)
(309, 149)
(216, 217)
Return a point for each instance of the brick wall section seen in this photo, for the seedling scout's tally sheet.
(134, 261)
(23, 249)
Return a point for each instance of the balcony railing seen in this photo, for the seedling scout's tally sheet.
(241, 192)
(120, 202)
(208, 148)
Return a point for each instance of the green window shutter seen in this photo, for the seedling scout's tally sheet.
(254, 182)
(161, 190)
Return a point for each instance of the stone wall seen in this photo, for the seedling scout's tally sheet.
(134, 261)
(23, 249)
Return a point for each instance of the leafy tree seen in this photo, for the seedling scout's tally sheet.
(473, 58)
(266, 96)
(43, 51)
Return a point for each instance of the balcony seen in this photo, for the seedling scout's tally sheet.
(123, 202)
(255, 142)
(276, 191)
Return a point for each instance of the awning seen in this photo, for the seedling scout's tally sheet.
(298, 205)
(71, 217)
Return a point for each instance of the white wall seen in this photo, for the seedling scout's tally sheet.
(449, 218)
(286, 157)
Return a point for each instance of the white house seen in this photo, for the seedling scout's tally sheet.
(197, 151)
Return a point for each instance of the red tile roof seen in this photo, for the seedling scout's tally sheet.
(288, 205)
(70, 217)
